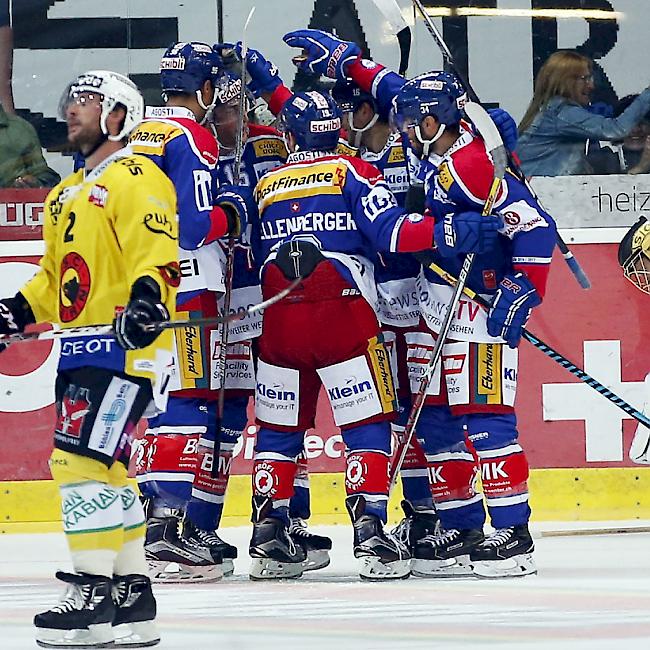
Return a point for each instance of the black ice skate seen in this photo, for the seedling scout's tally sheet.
(83, 617)
(381, 555)
(172, 558)
(446, 555)
(133, 624)
(416, 525)
(316, 547)
(506, 553)
(275, 555)
(210, 539)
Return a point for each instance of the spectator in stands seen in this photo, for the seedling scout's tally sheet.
(558, 123)
(6, 58)
(21, 158)
(631, 155)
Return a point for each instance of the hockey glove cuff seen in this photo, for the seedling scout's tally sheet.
(466, 232)
(144, 308)
(511, 308)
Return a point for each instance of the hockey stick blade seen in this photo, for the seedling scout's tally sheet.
(492, 138)
(95, 330)
(392, 12)
(554, 354)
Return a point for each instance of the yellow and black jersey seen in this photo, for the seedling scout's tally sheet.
(103, 230)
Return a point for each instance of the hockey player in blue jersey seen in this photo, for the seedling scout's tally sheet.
(323, 217)
(479, 377)
(168, 460)
(370, 137)
(263, 150)
(375, 143)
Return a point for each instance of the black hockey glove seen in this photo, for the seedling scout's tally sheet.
(15, 315)
(145, 307)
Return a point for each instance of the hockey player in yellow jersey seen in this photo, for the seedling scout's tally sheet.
(111, 254)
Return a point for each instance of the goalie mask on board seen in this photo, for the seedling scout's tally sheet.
(634, 255)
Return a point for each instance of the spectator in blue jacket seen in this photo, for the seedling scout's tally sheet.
(560, 121)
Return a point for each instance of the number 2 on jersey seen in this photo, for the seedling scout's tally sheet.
(68, 237)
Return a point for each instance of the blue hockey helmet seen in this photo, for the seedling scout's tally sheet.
(438, 94)
(314, 119)
(185, 67)
(349, 96)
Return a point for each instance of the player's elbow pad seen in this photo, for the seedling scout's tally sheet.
(415, 234)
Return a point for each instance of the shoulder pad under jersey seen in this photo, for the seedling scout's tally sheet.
(151, 137)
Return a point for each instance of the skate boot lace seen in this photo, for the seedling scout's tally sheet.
(118, 591)
(122, 595)
(498, 537)
(208, 537)
(441, 538)
(73, 599)
(298, 527)
(402, 530)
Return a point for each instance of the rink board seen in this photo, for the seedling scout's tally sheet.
(556, 495)
(576, 441)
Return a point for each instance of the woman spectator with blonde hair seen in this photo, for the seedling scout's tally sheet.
(558, 123)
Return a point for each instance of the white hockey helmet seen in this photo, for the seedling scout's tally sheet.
(115, 89)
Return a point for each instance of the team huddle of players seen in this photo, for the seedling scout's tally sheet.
(340, 197)
(364, 200)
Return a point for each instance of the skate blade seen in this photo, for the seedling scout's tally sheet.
(96, 636)
(266, 569)
(455, 567)
(514, 567)
(172, 572)
(228, 568)
(316, 560)
(136, 635)
(372, 568)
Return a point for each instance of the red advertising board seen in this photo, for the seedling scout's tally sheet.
(563, 422)
(21, 214)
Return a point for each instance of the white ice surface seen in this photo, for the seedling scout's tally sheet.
(592, 593)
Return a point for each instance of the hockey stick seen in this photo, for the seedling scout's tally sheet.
(497, 152)
(570, 259)
(391, 11)
(94, 330)
(230, 255)
(607, 530)
(550, 352)
(640, 448)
